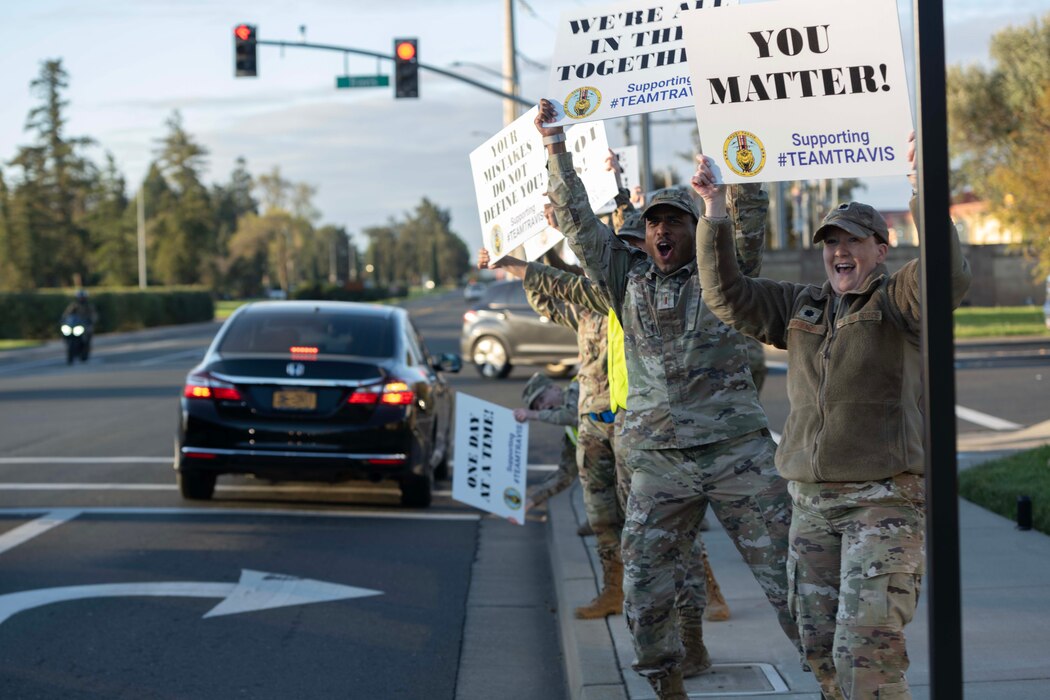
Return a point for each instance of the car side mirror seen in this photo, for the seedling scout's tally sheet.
(449, 362)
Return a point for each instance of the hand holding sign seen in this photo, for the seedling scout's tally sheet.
(705, 183)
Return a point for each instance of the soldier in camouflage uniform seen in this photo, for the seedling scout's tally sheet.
(545, 401)
(595, 459)
(852, 446)
(694, 430)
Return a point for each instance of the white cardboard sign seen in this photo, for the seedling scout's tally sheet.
(629, 178)
(808, 89)
(491, 458)
(510, 179)
(621, 59)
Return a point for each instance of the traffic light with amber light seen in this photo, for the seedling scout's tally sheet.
(406, 68)
(244, 51)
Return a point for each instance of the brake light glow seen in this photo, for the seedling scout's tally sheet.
(392, 394)
(386, 462)
(204, 386)
(302, 350)
(398, 394)
(470, 316)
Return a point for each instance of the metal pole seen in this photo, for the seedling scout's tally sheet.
(510, 64)
(142, 236)
(390, 57)
(645, 157)
(942, 506)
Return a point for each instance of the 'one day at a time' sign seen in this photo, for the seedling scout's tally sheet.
(491, 458)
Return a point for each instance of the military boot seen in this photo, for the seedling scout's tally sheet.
(669, 687)
(696, 660)
(717, 608)
(610, 600)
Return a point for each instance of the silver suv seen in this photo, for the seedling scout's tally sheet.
(502, 330)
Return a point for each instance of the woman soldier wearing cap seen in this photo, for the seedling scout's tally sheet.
(852, 448)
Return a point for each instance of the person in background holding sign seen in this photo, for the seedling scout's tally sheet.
(694, 430)
(853, 442)
(545, 401)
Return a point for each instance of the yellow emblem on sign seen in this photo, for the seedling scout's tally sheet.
(512, 498)
(582, 102)
(497, 240)
(744, 154)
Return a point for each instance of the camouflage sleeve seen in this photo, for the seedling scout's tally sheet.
(574, 289)
(560, 479)
(760, 308)
(605, 258)
(904, 289)
(568, 412)
(557, 310)
(748, 205)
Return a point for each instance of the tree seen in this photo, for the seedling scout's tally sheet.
(999, 132)
(52, 196)
(111, 229)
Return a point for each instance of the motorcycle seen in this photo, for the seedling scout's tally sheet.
(76, 331)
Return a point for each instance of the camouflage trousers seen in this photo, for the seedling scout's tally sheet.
(669, 491)
(558, 480)
(855, 568)
(690, 576)
(596, 461)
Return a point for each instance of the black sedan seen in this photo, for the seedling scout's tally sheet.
(317, 391)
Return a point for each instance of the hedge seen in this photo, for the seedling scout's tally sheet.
(36, 315)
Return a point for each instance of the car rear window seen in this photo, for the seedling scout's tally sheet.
(330, 333)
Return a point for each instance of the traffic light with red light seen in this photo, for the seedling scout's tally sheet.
(244, 51)
(406, 68)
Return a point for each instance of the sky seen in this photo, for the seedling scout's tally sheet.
(372, 158)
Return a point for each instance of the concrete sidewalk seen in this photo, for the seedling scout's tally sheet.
(1005, 597)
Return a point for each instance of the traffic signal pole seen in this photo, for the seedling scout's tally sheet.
(391, 57)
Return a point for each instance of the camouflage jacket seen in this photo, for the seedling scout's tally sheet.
(566, 414)
(854, 361)
(689, 382)
(545, 287)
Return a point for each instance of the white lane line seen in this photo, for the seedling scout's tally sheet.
(241, 512)
(171, 357)
(25, 486)
(86, 460)
(24, 533)
(984, 420)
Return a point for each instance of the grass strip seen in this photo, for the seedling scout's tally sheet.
(995, 485)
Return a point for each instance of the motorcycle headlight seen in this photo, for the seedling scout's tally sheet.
(66, 329)
(78, 330)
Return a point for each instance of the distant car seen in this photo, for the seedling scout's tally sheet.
(474, 291)
(317, 391)
(502, 330)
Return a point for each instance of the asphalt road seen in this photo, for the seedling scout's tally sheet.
(110, 582)
(108, 579)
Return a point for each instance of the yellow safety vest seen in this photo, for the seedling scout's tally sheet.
(616, 364)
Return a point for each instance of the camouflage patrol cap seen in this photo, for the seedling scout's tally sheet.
(675, 197)
(856, 218)
(537, 384)
(633, 227)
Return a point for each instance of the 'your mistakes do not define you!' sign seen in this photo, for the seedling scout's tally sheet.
(622, 59)
(510, 181)
(807, 89)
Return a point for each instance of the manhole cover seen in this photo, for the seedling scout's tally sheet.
(732, 680)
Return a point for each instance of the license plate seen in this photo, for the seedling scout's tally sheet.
(295, 400)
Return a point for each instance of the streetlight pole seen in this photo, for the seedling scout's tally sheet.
(510, 64)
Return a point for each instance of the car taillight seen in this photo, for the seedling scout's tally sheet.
(204, 386)
(391, 393)
(470, 316)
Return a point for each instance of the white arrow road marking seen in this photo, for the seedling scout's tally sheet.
(257, 590)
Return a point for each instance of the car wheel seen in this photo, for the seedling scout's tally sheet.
(442, 470)
(417, 491)
(560, 371)
(491, 358)
(196, 486)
